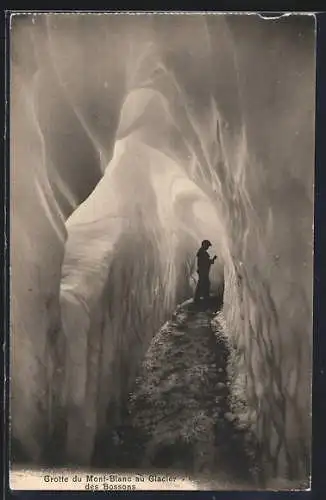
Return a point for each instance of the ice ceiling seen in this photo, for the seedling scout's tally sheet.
(132, 139)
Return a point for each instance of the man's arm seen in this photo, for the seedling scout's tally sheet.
(213, 259)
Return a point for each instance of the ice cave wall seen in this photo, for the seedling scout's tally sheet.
(206, 129)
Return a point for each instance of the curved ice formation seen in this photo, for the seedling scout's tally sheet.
(132, 138)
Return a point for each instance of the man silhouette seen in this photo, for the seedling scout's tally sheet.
(204, 263)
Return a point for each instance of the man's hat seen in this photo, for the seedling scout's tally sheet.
(206, 243)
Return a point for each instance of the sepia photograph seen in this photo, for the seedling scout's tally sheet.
(161, 250)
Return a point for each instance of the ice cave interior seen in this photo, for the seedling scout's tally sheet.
(132, 139)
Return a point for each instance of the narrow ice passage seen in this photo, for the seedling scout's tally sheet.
(133, 138)
(178, 415)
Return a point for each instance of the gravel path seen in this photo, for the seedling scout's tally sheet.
(179, 414)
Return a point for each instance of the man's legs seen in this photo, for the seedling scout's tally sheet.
(206, 287)
(202, 288)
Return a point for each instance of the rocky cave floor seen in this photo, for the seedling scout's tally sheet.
(179, 416)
